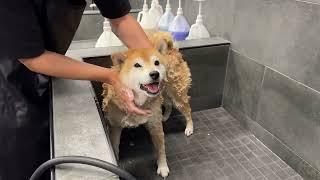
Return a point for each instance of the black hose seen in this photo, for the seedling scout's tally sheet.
(81, 160)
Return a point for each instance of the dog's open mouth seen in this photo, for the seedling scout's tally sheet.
(152, 88)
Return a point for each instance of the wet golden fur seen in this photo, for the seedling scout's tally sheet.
(178, 79)
(175, 92)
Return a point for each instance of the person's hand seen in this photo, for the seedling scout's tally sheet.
(126, 97)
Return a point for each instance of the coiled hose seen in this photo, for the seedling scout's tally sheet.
(81, 160)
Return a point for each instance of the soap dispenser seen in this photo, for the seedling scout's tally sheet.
(149, 18)
(155, 14)
(92, 5)
(198, 30)
(142, 17)
(107, 38)
(166, 19)
(158, 6)
(179, 27)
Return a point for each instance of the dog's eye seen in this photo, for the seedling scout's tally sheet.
(156, 63)
(137, 65)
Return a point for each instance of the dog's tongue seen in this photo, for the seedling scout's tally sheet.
(153, 88)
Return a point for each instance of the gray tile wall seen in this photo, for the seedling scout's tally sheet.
(281, 34)
(273, 74)
(243, 84)
(281, 112)
(291, 111)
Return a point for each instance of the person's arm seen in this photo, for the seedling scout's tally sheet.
(27, 45)
(130, 32)
(56, 65)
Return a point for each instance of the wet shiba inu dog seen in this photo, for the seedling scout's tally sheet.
(157, 77)
(143, 71)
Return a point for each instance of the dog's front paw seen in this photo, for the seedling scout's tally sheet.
(163, 171)
(189, 130)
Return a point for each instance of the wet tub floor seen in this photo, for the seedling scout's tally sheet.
(219, 149)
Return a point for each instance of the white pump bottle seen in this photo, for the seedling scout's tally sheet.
(166, 19)
(107, 38)
(149, 18)
(198, 30)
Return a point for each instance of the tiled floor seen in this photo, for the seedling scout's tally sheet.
(219, 149)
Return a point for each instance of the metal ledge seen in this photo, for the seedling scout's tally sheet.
(97, 12)
(85, 48)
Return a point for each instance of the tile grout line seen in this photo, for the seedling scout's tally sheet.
(249, 159)
(308, 2)
(225, 78)
(265, 154)
(246, 56)
(300, 83)
(224, 158)
(266, 165)
(268, 67)
(287, 147)
(260, 93)
(257, 144)
(268, 149)
(247, 170)
(219, 142)
(252, 139)
(262, 81)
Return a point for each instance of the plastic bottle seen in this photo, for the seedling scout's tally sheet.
(166, 19)
(158, 6)
(149, 18)
(142, 17)
(154, 14)
(179, 27)
(107, 38)
(198, 30)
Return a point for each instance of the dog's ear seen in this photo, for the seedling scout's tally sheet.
(164, 45)
(162, 41)
(118, 58)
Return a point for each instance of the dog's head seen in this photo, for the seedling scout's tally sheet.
(142, 70)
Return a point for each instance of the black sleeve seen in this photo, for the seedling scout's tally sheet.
(113, 8)
(20, 32)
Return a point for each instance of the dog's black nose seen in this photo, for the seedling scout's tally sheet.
(154, 75)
